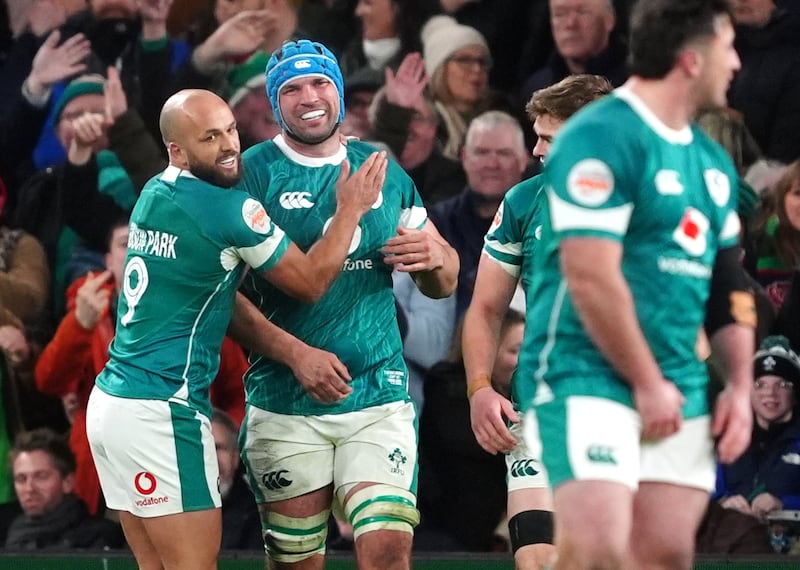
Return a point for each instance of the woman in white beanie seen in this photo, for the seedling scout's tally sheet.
(457, 61)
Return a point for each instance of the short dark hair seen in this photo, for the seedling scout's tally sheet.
(53, 444)
(121, 221)
(565, 98)
(659, 29)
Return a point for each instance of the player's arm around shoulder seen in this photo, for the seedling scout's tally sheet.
(426, 255)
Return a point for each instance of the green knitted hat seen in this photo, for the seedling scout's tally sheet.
(91, 84)
(247, 76)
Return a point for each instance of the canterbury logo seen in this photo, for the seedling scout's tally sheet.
(294, 200)
(275, 480)
(601, 454)
(523, 468)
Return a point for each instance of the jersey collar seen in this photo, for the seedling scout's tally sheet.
(312, 161)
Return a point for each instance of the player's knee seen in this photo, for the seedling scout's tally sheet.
(292, 539)
(530, 527)
(382, 507)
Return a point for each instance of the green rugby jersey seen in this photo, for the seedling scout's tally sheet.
(356, 318)
(616, 172)
(512, 241)
(188, 245)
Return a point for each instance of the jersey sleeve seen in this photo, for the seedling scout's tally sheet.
(254, 238)
(588, 177)
(724, 183)
(503, 241)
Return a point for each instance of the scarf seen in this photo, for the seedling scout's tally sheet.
(380, 52)
(30, 533)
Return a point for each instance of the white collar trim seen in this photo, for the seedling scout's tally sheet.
(682, 136)
(171, 173)
(314, 162)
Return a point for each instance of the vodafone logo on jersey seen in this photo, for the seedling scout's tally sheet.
(691, 233)
(145, 483)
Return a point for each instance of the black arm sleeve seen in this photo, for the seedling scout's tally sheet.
(730, 298)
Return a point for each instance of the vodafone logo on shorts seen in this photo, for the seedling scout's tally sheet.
(145, 483)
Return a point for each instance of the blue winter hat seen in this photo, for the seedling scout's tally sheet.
(301, 58)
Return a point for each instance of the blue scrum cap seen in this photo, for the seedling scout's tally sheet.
(301, 58)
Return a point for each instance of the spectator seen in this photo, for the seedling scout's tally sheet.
(53, 516)
(766, 477)
(767, 88)
(360, 89)
(252, 111)
(585, 42)
(30, 24)
(517, 32)
(24, 283)
(21, 127)
(331, 22)
(457, 62)
(241, 526)
(403, 116)
(494, 158)
(389, 31)
(125, 34)
(775, 237)
(240, 33)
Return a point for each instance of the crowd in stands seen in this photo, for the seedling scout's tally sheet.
(441, 85)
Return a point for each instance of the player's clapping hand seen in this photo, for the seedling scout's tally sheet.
(732, 423)
(659, 406)
(360, 191)
(322, 375)
(411, 251)
(92, 300)
(488, 411)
